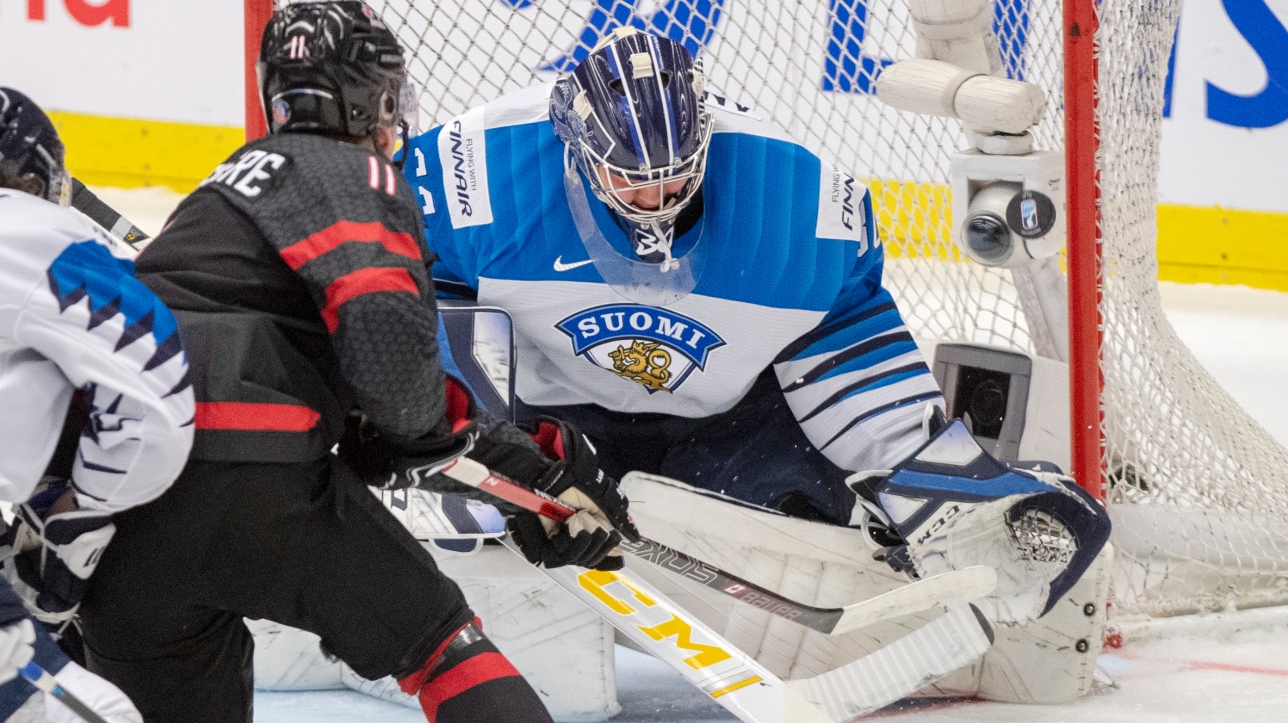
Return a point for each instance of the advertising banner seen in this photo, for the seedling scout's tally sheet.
(151, 92)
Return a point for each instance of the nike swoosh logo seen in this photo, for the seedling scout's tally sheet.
(561, 266)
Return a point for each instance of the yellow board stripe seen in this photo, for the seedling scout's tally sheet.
(740, 684)
(129, 153)
(915, 219)
(1223, 246)
(1195, 244)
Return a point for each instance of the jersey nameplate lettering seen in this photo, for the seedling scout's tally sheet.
(840, 208)
(247, 174)
(462, 149)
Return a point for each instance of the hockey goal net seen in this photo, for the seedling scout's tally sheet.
(1197, 489)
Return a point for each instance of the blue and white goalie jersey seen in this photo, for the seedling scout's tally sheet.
(72, 316)
(785, 265)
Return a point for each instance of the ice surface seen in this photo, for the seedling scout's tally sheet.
(648, 691)
(1239, 334)
(1239, 678)
(1235, 679)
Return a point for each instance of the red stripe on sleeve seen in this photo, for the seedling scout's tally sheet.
(468, 673)
(326, 240)
(246, 416)
(363, 281)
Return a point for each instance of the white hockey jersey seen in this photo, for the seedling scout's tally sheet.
(783, 269)
(72, 316)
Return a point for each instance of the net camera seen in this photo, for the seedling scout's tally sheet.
(1011, 208)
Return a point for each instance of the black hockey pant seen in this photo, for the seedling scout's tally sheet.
(163, 616)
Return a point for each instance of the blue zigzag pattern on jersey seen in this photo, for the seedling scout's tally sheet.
(868, 319)
(86, 269)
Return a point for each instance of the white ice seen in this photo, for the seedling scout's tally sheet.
(1239, 676)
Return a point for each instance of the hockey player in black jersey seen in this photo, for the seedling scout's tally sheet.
(297, 275)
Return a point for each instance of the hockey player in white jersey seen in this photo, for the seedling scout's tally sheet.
(78, 333)
(701, 295)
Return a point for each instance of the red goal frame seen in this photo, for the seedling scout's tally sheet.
(1081, 141)
(257, 13)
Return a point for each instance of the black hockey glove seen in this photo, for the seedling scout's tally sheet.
(395, 463)
(565, 467)
(50, 556)
(555, 460)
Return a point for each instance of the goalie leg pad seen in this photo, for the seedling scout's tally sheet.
(468, 679)
(1052, 659)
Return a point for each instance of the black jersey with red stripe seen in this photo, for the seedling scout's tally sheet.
(297, 272)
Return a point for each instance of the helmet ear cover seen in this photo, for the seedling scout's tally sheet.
(621, 112)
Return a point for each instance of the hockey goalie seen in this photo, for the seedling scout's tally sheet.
(701, 296)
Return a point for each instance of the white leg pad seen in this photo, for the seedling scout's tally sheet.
(829, 566)
(958, 32)
(1053, 659)
(287, 658)
(813, 563)
(563, 649)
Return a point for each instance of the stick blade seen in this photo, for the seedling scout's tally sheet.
(949, 588)
(903, 667)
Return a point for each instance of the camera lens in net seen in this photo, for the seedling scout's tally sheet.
(988, 236)
(988, 403)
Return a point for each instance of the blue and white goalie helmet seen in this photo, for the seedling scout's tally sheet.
(633, 117)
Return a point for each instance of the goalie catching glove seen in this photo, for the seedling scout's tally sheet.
(556, 460)
(952, 505)
(52, 554)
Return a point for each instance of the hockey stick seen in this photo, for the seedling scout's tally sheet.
(86, 202)
(939, 591)
(747, 689)
(732, 678)
(951, 587)
(41, 678)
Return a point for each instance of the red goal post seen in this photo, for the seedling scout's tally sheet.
(1083, 245)
(257, 13)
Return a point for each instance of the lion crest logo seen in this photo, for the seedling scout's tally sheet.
(655, 348)
(643, 362)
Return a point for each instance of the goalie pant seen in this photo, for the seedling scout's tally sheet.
(297, 273)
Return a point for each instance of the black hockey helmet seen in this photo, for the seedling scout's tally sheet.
(332, 67)
(31, 153)
(634, 107)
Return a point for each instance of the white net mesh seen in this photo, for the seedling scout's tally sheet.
(1197, 488)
